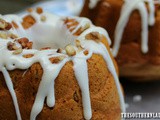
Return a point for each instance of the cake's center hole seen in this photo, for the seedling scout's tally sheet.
(54, 36)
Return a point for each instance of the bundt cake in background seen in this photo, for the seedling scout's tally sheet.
(134, 27)
(56, 68)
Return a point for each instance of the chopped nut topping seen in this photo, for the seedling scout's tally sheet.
(86, 26)
(80, 49)
(78, 43)
(29, 45)
(68, 20)
(9, 26)
(10, 45)
(70, 23)
(30, 10)
(3, 35)
(93, 36)
(25, 43)
(61, 58)
(86, 52)
(13, 36)
(56, 59)
(4, 25)
(70, 50)
(82, 29)
(39, 10)
(46, 48)
(28, 21)
(18, 51)
(28, 55)
(43, 18)
(14, 25)
(15, 47)
(59, 50)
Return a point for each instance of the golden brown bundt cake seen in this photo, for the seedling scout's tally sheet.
(134, 27)
(56, 68)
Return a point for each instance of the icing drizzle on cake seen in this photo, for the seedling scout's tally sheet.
(147, 19)
(65, 31)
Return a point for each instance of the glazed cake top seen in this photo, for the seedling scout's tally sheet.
(44, 36)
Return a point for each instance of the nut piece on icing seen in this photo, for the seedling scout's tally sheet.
(45, 48)
(59, 50)
(70, 50)
(3, 35)
(39, 10)
(13, 36)
(14, 25)
(28, 55)
(18, 51)
(30, 10)
(82, 29)
(43, 18)
(56, 59)
(78, 43)
(4, 25)
(86, 26)
(86, 52)
(25, 43)
(11, 46)
(93, 36)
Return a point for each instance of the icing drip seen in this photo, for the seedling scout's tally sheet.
(81, 73)
(53, 27)
(93, 3)
(12, 92)
(46, 88)
(99, 48)
(147, 19)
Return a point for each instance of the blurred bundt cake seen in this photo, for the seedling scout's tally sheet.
(133, 25)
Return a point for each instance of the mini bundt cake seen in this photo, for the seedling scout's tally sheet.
(134, 27)
(56, 68)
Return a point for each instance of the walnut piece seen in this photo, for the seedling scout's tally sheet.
(70, 50)
(59, 50)
(18, 51)
(25, 43)
(5, 25)
(93, 36)
(86, 52)
(56, 59)
(43, 18)
(30, 10)
(39, 10)
(11, 46)
(82, 29)
(45, 48)
(3, 35)
(28, 55)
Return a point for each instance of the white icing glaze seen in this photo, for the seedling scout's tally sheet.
(53, 33)
(93, 3)
(12, 92)
(81, 73)
(147, 19)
